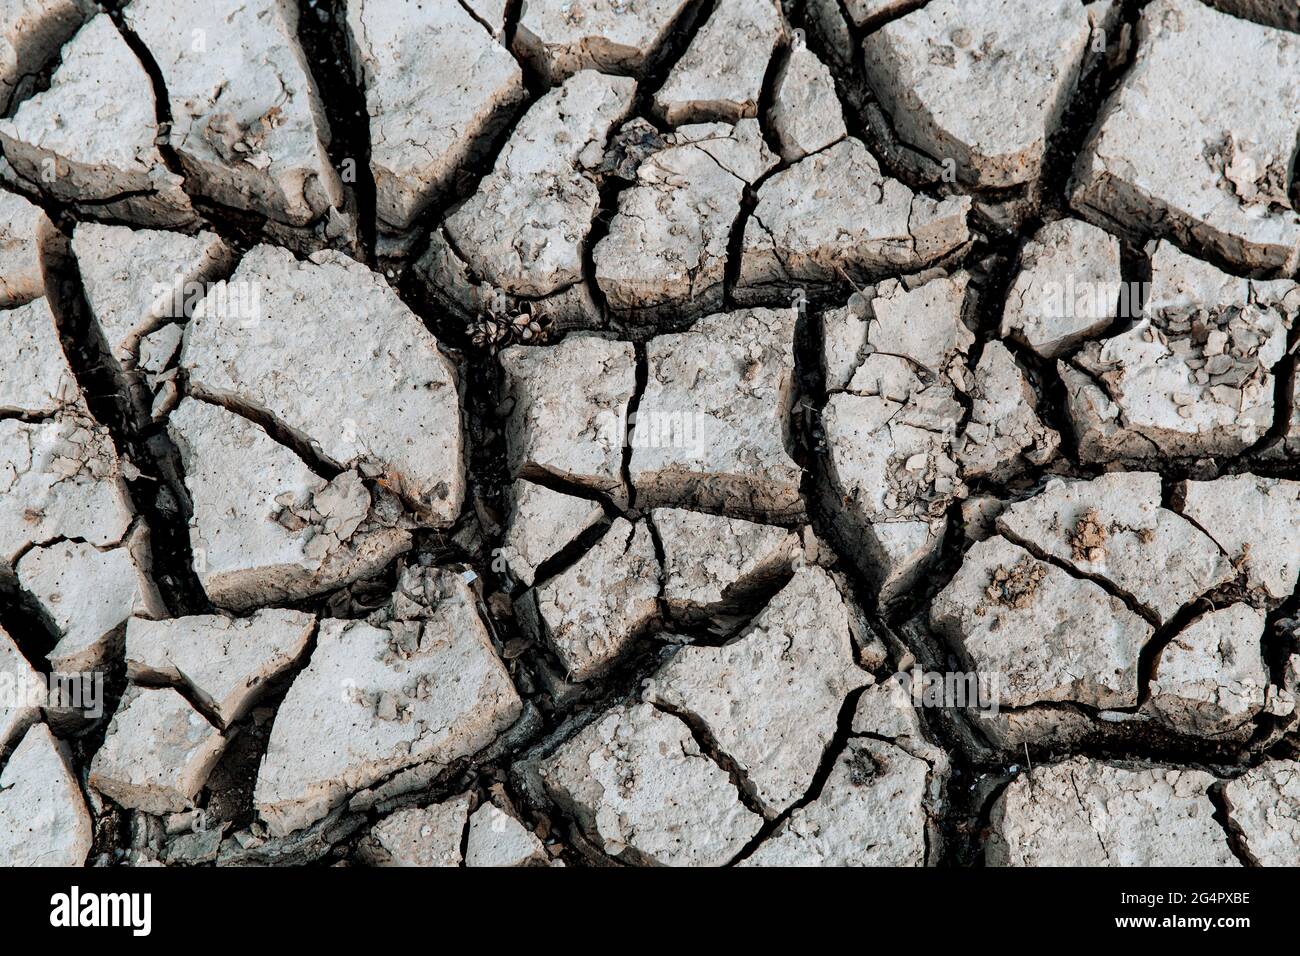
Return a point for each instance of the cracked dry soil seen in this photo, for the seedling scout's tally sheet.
(649, 432)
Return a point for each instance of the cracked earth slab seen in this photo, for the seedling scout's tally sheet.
(557, 434)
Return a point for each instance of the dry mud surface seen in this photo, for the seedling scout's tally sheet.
(649, 432)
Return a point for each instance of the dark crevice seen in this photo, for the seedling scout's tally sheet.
(156, 494)
(633, 405)
(1232, 832)
(162, 102)
(275, 429)
(322, 32)
(25, 621)
(834, 748)
(708, 745)
(570, 554)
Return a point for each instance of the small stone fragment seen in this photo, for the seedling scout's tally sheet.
(1003, 431)
(720, 76)
(1256, 521)
(523, 231)
(712, 563)
(870, 812)
(24, 693)
(1084, 812)
(407, 56)
(1264, 804)
(771, 697)
(43, 816)
(25, 233)
(61, 478)
(158, 752)
(1196, 144)
(35, 379)
(268, 339)
(1211, 678)
(713, 429)
(259, 532)
(895, 361)
(639, 786)
(223, 661)
(419, 836)
(89, 593)
(497, 838)
(542, 523)
(594, 610)
(806, 115)
(1194, 377)
(137, 279)
(667, 246)
(1067, 289)
(253, 134)
(568, 408)
(981, 82)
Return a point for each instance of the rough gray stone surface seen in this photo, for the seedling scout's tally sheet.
(1211, 678)
(1195, 376)
(1067, 288)
(1194, 145)
(407, 56)
(158, 753)
(25, 232)
(806, 115)
(666, 251)
(1088, 813)
(25, 693)
(713, 427)
(424, 687)
(959, 85)
(568, 408)
(591, 613)
(43, 817)
(542, 523)
(222, 661)
(649, 432)
(712, 562)
(771, 697)
(386, 405)
(866, 225)
(254, 136)
(266, 528)
(91, 137)
(1256, 521)
(720, 76)
(639, 786)
(1051, 636)
(1264, 803)
(88, 594)
(425, 836)
(895, 364)
(1113, 528)
(1003, 434)
(497, 838)
(523, 230)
